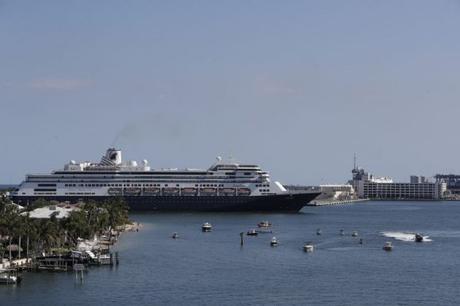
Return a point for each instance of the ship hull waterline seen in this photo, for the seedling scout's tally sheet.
(292, 202)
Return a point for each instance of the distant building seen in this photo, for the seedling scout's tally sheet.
(452, 182)
(368, 186)
(415, 179)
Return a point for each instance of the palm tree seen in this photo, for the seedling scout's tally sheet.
(9, 223)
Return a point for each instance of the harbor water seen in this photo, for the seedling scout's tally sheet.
(213, 269)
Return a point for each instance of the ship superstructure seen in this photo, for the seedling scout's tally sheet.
(226, 185)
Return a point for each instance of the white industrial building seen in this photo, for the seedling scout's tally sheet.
(367, 186)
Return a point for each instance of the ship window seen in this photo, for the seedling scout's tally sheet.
(166, 185)
(177, 185)
(247, 173)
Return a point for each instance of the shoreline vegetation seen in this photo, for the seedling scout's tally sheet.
(79, 233)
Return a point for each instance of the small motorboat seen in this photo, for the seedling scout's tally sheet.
(354, 234)
(342, 232)
(264, 224)
(309, 247)
(318, 231)
(418, 237)
(175, 235)
(206, 227)
(274, 242)
(388, 246)
(9, 276)
(252, 232)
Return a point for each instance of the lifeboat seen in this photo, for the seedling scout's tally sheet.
(171, 191)
(189, 191)
(244, 191)
(227, 191)
(152, 191)
(208, 191)
(132, 191)
(115, 191)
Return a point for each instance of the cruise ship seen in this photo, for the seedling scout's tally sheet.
(225, 186)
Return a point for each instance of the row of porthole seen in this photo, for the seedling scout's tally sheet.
(262, 185)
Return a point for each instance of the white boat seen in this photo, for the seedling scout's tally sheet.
(104, 259)
(388, 246)
(252, 232)
(206, 227)
(274, 242)
(9, 276)
(175, 236)
(354, 234)
(309, 247)
(264, 224)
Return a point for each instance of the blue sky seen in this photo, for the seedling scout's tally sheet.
(295, 86)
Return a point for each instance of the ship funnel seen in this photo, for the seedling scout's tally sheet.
(114, 156)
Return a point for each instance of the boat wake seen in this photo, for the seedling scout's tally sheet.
(404, 236)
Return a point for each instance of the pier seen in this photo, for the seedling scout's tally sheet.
(335, 202)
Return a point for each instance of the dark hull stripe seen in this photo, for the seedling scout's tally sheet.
(285, 202)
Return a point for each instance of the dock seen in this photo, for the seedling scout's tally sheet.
(335, 202)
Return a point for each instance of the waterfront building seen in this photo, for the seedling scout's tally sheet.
(367, 186)
(451, 180)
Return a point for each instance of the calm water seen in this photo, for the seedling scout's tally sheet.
(212, 269)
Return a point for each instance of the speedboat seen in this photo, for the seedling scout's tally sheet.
(309, 247)
(274, 242)
(264, 224)
(206, 227)
(418, 237)
(388, 246)
(252, 232)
